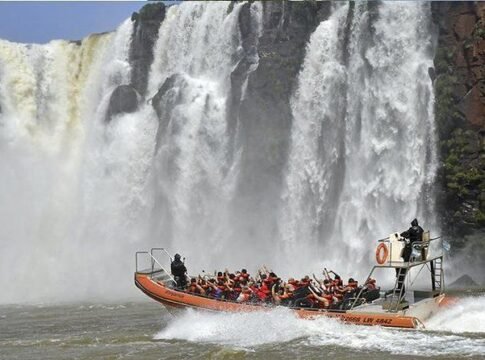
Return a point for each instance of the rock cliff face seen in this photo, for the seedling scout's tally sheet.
(460, 116)
(285, 31)
(147, 22)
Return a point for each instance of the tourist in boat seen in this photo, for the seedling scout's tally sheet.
(244, 275)
(245, 295)
(179, 270)
(216, 291)
(281, 294)
(293, 284)
(195, 287)
(370, 284)
(370, 291)
(324, 301)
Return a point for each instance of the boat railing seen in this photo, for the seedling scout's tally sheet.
(420, 257)
(424, 246)
(155, 264)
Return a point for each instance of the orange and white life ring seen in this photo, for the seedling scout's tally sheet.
(382, 252)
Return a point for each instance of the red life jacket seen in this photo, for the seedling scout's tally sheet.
(371, 284)
(265, 287)
(353, 285)
(328, 297)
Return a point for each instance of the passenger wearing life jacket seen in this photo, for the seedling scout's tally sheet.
(245, 295)
(350, 290)
(305, 281)
(293, 284)
(324, 301)
(370, 291)
(220, 277)
(244, 274)
(263, 291)
(370, 284)
(195, 288)
(217, 291)
(328, 285)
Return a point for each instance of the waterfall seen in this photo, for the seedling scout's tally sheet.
(70, 181)
(81, 191)
(198, 47)
(363, 147)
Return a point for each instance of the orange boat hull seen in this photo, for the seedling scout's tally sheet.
(159, 292)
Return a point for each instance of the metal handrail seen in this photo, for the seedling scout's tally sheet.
(153, 261)
(404, 265)
(162, 249)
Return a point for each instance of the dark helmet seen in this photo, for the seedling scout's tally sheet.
(414, 222)
(177, 256)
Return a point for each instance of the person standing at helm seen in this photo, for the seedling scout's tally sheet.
(413, 234)
(178, 271)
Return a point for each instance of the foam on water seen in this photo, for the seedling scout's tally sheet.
(282, 326)
(467, 315)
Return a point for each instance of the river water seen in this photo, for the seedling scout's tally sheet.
(145, 330)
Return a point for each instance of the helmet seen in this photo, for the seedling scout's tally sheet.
(177, 256)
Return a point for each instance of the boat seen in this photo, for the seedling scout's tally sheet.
(400, 307)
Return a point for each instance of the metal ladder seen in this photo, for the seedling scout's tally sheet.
(397, 295)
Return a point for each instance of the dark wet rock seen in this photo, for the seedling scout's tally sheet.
(463, 282)
(165, 100)
(269, 70)
(124, 99)
(145, 33)
(460, 116)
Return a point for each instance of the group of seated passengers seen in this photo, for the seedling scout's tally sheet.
(268, 288)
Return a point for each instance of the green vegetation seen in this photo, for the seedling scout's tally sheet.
(464, 177)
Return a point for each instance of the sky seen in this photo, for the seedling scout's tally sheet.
(40, 22)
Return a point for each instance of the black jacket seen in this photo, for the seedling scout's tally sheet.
(414, 233)
(178, 268)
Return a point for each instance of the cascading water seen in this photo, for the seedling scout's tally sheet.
(194, 172)
(363, 148)
(80, 193)
(70, 181)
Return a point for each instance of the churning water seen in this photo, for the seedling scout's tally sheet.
(144, 330)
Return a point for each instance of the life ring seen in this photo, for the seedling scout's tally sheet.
(382, 252)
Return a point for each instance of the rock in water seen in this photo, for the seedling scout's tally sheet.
(464, 281)
(124, 99)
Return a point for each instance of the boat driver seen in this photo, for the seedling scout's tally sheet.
(413, 234)
(178, 271)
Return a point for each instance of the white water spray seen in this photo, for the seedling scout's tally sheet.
(282, 326)
(355, 177)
